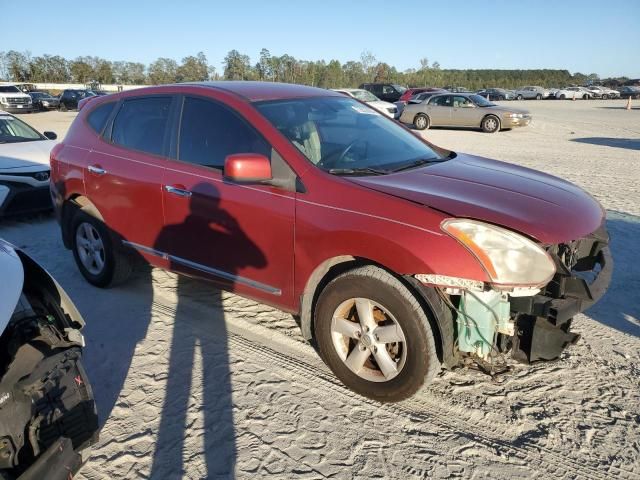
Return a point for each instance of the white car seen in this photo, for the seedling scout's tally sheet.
(603, 92)
(24, 167)
(569, 93)
(370, 99)
(12, 99)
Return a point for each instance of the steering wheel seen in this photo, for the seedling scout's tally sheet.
(325, 162)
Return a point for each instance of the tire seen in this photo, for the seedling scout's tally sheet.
(538, 97)
(63, 107)
(414, 359)
(114, 267)
(585, 97)
(519, 97)
(421, 122)
(605, 96)
(490, 124)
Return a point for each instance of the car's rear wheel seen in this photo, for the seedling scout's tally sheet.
(490, 124)
(585, 97)
(421, 121)
(519, 97)
(562, 96)
(538, 97)
(374, 335)
(605, 96)
(97, 259)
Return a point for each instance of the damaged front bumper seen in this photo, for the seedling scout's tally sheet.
(583, 274)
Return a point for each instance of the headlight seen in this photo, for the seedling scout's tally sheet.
(508, 258)
(3, 100)
(514, 115)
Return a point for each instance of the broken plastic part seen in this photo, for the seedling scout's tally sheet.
(455, 282)
(481, 316)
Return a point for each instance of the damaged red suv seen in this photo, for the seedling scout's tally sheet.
(399, 257)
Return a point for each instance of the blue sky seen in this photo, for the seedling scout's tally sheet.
(580, 36)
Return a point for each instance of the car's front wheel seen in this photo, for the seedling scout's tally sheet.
(519, 97)
(538, 97)
(490, 124)
(374, 335)
(98, 261)
(421, 122)
(605, 96)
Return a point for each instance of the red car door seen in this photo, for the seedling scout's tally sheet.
(240, 236)
(125, 171)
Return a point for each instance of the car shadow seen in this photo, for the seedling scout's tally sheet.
(199, 330)
(627, 143)
(619, 307)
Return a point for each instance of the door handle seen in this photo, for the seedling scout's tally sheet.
(97, 170)
(177, 191)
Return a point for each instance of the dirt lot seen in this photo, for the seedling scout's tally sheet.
(196, 383)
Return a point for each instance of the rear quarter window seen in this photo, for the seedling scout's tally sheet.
(141, 124)
(97, 118)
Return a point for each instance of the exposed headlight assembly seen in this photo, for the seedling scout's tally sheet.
(510, 259)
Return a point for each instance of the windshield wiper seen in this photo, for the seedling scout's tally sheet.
(357, 171)
(417, 163)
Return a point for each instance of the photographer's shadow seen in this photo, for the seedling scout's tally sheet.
(205, 239)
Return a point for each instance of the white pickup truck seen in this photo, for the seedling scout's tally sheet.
(13, 100)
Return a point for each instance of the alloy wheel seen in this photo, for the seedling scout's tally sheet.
(90, 248)
(368, 339)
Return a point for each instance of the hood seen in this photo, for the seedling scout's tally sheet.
(25, 154)
(541, 206)
(12, 271)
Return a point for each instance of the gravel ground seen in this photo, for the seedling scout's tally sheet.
(196, 383)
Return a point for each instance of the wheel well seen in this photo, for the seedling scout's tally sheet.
(429, 301)
(69, 207)
(491, 115)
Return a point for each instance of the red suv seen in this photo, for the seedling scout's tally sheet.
(398, 256)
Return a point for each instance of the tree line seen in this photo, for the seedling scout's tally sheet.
(22, 67)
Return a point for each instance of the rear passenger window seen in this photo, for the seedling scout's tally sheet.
(210, 131)
(98, 117)
(141, 124)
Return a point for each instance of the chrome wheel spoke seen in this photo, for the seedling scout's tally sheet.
(355, 360)
(346, 328)
(388, 334)
(365, 314)
(385, 362)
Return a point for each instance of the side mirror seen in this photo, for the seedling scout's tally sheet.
(247, 167)
(50, 135)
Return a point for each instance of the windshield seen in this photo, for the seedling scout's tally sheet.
(9, 89)
(364, 96)
(13, 130)
(340, 133)
(481, 101)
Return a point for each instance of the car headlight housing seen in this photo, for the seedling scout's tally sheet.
(510, 259)
(515, 115)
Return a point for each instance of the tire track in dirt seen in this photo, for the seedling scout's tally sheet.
(475, 430)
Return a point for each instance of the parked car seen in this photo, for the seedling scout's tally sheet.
(12, 99)
(24, 167)
(69, 98)
(389, 92)
(454, 89)
(463, 110)
(496, 94)
(603, 92)
(629, 92)
(44, 101)
(398, 257)
(389, 109)
(417, 98)
(569, 93)
(531, 93)
(410, 92)
(48, 416)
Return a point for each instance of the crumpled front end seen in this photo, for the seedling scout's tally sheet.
(533, 324)
(583, 273)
